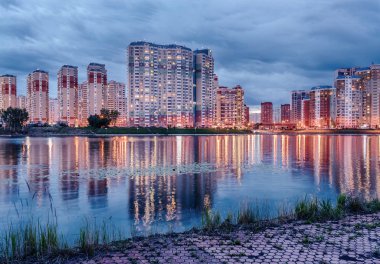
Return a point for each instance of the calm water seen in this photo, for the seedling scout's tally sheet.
(150, 184)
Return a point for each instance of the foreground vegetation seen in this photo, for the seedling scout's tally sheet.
(37, 240)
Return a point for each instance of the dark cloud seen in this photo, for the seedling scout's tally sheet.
(269, 47)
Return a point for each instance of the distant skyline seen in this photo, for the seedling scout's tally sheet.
(270, 48)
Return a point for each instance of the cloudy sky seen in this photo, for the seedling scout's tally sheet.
(269, 47)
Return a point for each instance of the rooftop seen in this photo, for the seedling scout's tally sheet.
(8, 75)
(169, 46)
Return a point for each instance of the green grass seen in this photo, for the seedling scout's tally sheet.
(32, 239)
(38, 240)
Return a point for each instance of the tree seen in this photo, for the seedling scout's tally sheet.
(97, 121)
(112, 115)
(14, 118)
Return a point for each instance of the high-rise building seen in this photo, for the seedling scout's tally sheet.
(8, 91)
(276, 114)
(83, 113)
(349, 100)
(54, 111)
(285, 113)
(370, 86)
(296, 111)
(160, 85)
(321, 100)
(267, 113)
(68, 94)
(205, 89)
(38, 96)
(21, 101)
(230, 107)
(116, 100)
(96, 88)
(246, 116)
(255, 117)
(305, 113)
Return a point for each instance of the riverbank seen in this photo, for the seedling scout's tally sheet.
(320, 132)
(127, 131)
(114, 131)
(315, 231)
(355, 238)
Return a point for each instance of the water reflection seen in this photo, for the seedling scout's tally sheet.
(145, 181)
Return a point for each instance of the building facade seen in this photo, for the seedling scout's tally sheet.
(160, 85)
(96, 88)
(21, 101)
(305, 113)
(38, 96)
(230, 110)
(349, 101)
(117, 100)
(276, 114)
(8, 91)
(321, 100)
(205, 88)
(285, 113)
(296, 106)
(267, 113)
(54, 111)
(68, 94)
(83, 112)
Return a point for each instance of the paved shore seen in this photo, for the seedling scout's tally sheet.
(354, 239)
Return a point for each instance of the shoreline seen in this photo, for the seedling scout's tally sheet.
(84, 133)
(315, 230)
(352, 238)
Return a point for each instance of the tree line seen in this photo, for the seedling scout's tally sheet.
(14, 119)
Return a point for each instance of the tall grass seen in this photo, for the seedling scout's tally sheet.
(308, 209)
(31, 239)
(38, 240)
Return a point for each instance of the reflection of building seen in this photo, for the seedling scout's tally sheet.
(204, 88)
(68, 94)
(160, 85)
(38, 167)
(267, 113)
(230, 107)
(9, 181)
(321, 99)
(38, 96)
(116, 100)
(7, 91)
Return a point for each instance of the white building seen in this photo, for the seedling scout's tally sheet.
(160, 85)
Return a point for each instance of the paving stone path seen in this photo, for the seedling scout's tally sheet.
(355, 239)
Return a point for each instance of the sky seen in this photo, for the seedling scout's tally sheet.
(269, 47)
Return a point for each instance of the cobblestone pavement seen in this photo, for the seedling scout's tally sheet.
(355, 239)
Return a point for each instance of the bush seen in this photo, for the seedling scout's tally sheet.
(97, 121)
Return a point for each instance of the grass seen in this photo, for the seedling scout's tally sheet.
(37, 240)
(308, 209)
(32, 239)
